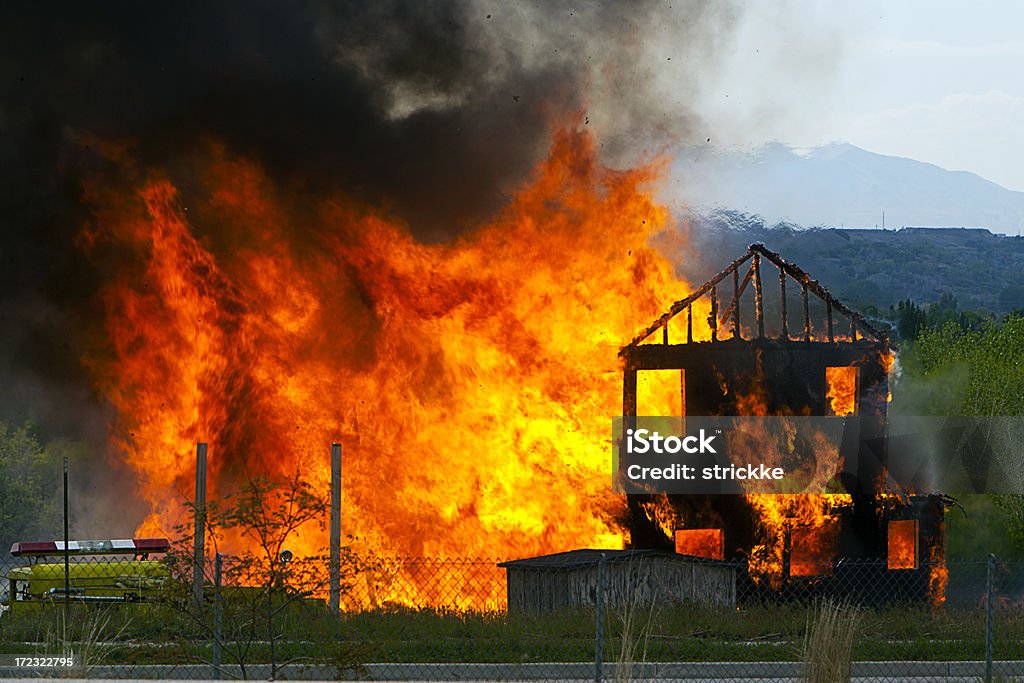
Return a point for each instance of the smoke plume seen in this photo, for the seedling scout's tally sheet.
(434, 111)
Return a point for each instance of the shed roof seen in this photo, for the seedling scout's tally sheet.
(587, 557)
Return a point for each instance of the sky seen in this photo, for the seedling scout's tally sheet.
(936, 81)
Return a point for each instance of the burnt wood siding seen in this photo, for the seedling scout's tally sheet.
(636, 582)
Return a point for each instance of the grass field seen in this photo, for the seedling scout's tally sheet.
(153, 634)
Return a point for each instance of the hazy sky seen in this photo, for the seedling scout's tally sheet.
(937, 81)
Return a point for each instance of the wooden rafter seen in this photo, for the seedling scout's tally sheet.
(755, 252)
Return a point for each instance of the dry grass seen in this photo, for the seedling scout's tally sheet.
(828, 645)
(87, 639)
(636, 618)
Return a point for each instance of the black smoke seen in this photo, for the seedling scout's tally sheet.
(434, 111)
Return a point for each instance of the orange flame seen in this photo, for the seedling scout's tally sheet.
(813, 549)
(471, 383)
(938, 574)
(841, 390)
(709, 543)
(903, 544)
(812, 524)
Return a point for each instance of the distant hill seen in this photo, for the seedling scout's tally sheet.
(840, 185)
(872, 267)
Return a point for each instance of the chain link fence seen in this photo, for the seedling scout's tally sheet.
(584, 615)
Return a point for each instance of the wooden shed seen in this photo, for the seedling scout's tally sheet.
(631, 577)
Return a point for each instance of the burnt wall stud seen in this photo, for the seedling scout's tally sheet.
(828, 314)
(758, 297)
(736, 303)
(713, 317)
(807, 312)
(629, 391)
(782, 290)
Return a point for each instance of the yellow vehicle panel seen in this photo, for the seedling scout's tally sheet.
(137, 578)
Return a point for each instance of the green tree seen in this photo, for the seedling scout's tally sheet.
(909, 319)
(1012, 298)
(263, 596)
(974, 371)
(30, 487)
(992, 357)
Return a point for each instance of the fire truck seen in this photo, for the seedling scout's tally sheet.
(100, 571)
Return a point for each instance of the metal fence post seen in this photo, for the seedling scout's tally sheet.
(989, 588)
(599, 626)
(199, 533)
(67, 565)
(217, 607)
(334, 565)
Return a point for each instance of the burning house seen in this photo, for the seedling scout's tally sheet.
(718, 352)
